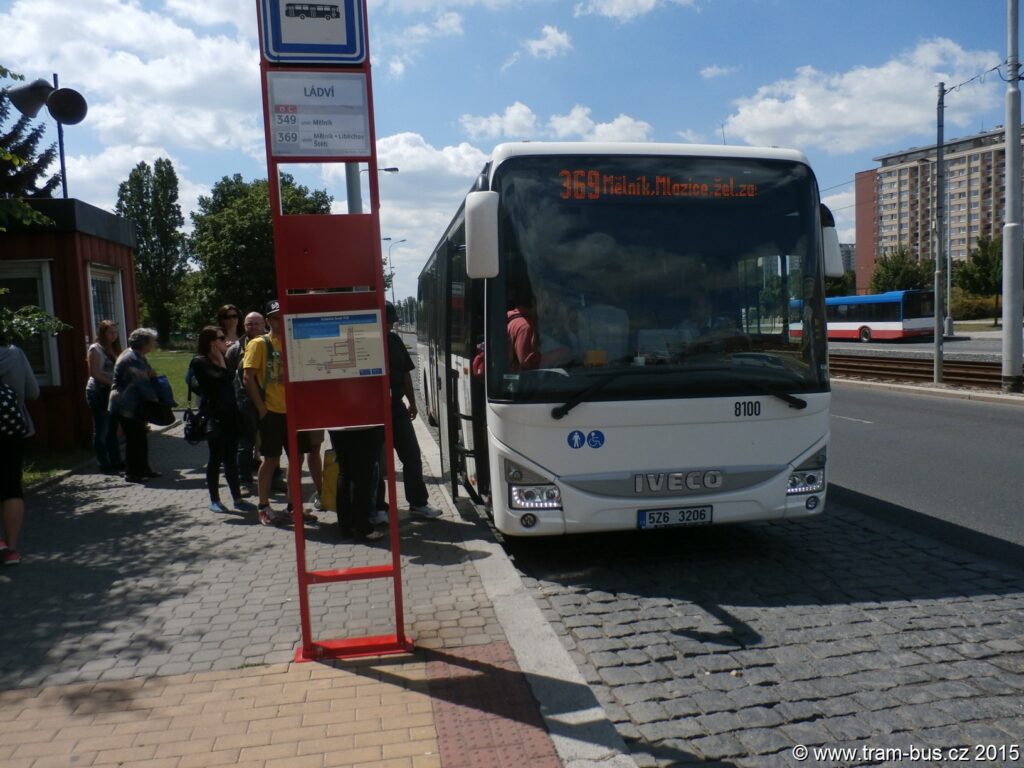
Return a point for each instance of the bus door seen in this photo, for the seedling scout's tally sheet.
(478, 463)
(452, 271)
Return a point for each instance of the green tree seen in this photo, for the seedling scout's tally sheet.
(22, 165)
(900, 271)
(982, 273)
(233, 241)
(841, 286)
(21, 324)
(149, 199)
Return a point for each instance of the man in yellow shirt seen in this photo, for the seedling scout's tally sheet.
(263, 377)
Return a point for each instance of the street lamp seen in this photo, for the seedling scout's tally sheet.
(65, 105)
(391, 265)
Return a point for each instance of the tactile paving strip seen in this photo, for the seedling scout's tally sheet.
(484, 711)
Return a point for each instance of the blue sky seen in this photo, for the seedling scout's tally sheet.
(841, 80)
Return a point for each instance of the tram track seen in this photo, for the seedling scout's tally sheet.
(981, 374)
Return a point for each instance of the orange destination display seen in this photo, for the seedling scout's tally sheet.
(592, 184)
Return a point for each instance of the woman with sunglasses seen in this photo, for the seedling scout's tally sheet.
(217, 403)
(229, 320)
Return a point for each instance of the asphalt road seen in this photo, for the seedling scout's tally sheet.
(959, 462)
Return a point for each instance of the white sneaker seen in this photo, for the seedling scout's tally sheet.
(316, 501)
(426, 511)
(379, 517)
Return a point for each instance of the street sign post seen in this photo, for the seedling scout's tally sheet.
(318, 108)
(324, 33)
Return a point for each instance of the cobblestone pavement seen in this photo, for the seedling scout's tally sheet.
(123, 581)
(733, 645)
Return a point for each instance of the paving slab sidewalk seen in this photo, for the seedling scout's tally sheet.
(143, 630)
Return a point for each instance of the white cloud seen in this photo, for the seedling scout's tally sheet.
(622, 128)
(624, 10)
(518, 121)
(147, 79)
(691, 136)
(417, 202)
(842, 205)
(579, 124)
(576, 123)
(401, 49)
(240, 13)
(714, 70)
(551, 43)
(868, 106)
(96, 177)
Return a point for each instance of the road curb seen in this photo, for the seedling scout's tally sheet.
(954, 394)
(583, 735)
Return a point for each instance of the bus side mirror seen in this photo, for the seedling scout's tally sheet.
(482, 235)
(830, 241)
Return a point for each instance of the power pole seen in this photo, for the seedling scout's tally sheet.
(1012, 254)
(940, 261)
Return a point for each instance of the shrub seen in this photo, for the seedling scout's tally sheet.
(965, 306)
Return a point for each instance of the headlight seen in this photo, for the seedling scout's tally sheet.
(806, 481)
(535, 497)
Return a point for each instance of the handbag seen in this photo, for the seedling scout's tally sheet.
(194, 421)
(12, 423)
(195, 426)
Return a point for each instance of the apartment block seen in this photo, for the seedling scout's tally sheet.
(895, 203)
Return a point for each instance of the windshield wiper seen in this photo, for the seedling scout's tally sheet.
(791, 400)
(560, 411)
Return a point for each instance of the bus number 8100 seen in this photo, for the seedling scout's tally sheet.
(746, 408)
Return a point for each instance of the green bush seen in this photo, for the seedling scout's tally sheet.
(965, 306)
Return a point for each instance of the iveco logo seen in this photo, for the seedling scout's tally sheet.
(677, 481)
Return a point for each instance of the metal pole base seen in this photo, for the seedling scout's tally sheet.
(949, 332)
(1013, 383)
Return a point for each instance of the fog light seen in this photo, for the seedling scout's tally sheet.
(528, 520)
(812, 503)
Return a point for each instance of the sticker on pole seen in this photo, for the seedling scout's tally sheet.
(336, 345)
(313, 33)
(316, 114)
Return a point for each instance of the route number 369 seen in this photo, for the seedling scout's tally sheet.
(746, 408)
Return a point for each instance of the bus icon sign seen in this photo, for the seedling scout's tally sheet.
(312, 33)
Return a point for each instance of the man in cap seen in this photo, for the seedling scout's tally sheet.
(263, 377)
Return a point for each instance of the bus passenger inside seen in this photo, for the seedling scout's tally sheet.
(523, 340)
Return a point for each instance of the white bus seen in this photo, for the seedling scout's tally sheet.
(607, 341)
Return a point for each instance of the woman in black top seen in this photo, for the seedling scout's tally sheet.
(217, 403)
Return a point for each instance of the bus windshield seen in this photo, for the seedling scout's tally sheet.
(692, 276)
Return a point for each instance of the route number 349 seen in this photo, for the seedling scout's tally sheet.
(747, 408)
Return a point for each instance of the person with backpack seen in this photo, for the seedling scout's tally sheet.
(263, 377)
(217, 404)
(17, 383)
(248, 434)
